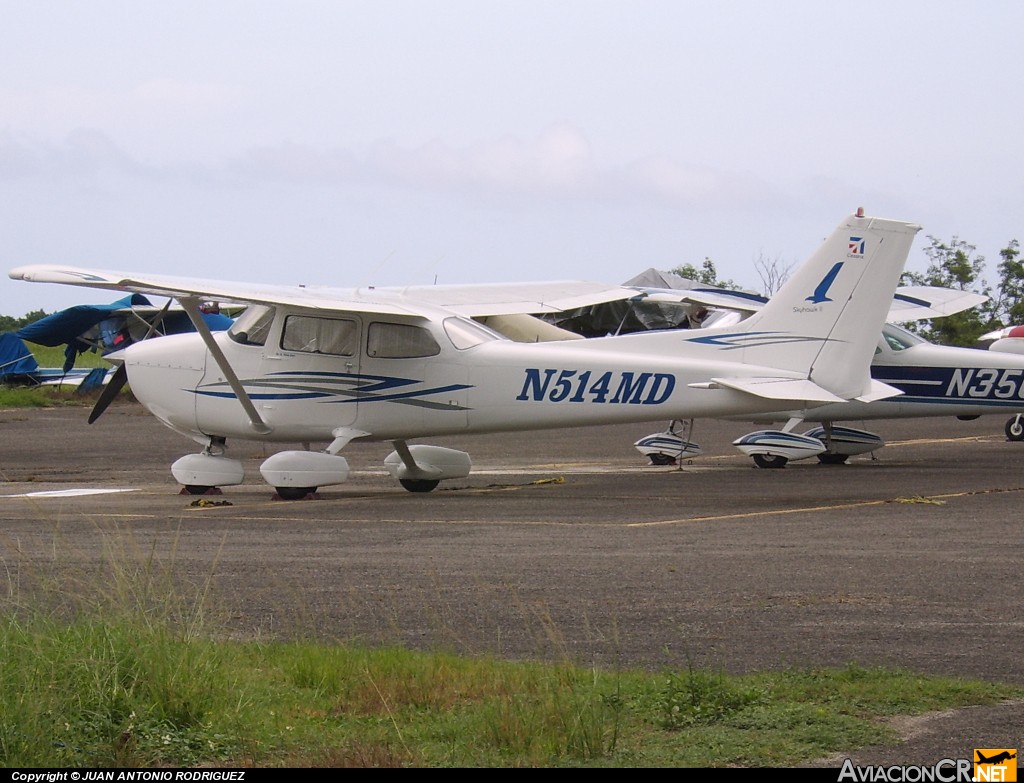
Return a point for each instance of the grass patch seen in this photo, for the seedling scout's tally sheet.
(50, 396)
(128, 664)
(42, 397)
(54, 357)
(92, 693)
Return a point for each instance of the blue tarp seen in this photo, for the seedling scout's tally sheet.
(65, 327)
(15, 357)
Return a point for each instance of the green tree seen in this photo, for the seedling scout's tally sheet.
(707, 274)
(956, 265)
(1009, 301)
(11, 324)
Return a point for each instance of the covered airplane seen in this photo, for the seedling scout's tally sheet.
(105, 328)
(324, 365)
(18, 366)
(99, 328)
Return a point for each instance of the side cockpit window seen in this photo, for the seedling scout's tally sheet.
(400, 341)
(308, 334)
(253, 325)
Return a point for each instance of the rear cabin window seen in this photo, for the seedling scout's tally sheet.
(400, 341)
(308, 334)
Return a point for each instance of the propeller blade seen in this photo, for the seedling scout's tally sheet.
(110, 391)
(120, 377)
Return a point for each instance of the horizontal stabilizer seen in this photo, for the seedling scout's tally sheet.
(879, 391)
(919, 303)
(780, 388)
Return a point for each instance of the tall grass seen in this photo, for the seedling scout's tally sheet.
(48, 356)
(125, 663)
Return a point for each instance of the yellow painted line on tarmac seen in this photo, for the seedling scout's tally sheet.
(93, 514)
(938, 499)
(753, 514)
(965, 438)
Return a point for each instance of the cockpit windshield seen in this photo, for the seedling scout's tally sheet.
(899, 339)
(465, 333)
(253, 325)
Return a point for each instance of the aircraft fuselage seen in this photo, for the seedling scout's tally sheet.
(493, 385)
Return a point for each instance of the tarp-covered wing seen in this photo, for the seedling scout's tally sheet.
(16, 360)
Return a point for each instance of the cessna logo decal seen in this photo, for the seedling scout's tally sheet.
(338, 388)
(615, 388)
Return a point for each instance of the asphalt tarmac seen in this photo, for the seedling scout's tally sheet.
(567, 545)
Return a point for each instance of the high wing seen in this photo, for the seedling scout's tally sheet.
(468, 300)
(918, 303)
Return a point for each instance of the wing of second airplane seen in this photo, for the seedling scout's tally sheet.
(910, 303)
(918, 303)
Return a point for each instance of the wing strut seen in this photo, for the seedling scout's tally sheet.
(407, 458)
(191, 306)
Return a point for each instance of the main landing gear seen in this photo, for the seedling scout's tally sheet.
(671, 446)
(1015, 428)
(296, 475)
(830, 443)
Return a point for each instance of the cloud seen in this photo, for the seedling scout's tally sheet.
(558, 165)
(84, 153)
(694, 185)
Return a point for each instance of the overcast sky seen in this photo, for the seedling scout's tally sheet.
(396, 142)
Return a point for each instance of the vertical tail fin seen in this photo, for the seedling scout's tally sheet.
(825, 321)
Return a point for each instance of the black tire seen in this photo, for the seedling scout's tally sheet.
(197, 489)
(662, 459)
(770, 461)
(419, 485)
(832, 459)
(1015, 429)
(294, 493)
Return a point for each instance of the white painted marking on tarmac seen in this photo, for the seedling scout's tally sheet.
(68, 493)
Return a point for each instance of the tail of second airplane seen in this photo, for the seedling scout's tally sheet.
(824, 323)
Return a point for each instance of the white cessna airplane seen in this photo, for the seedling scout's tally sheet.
(320, 365)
